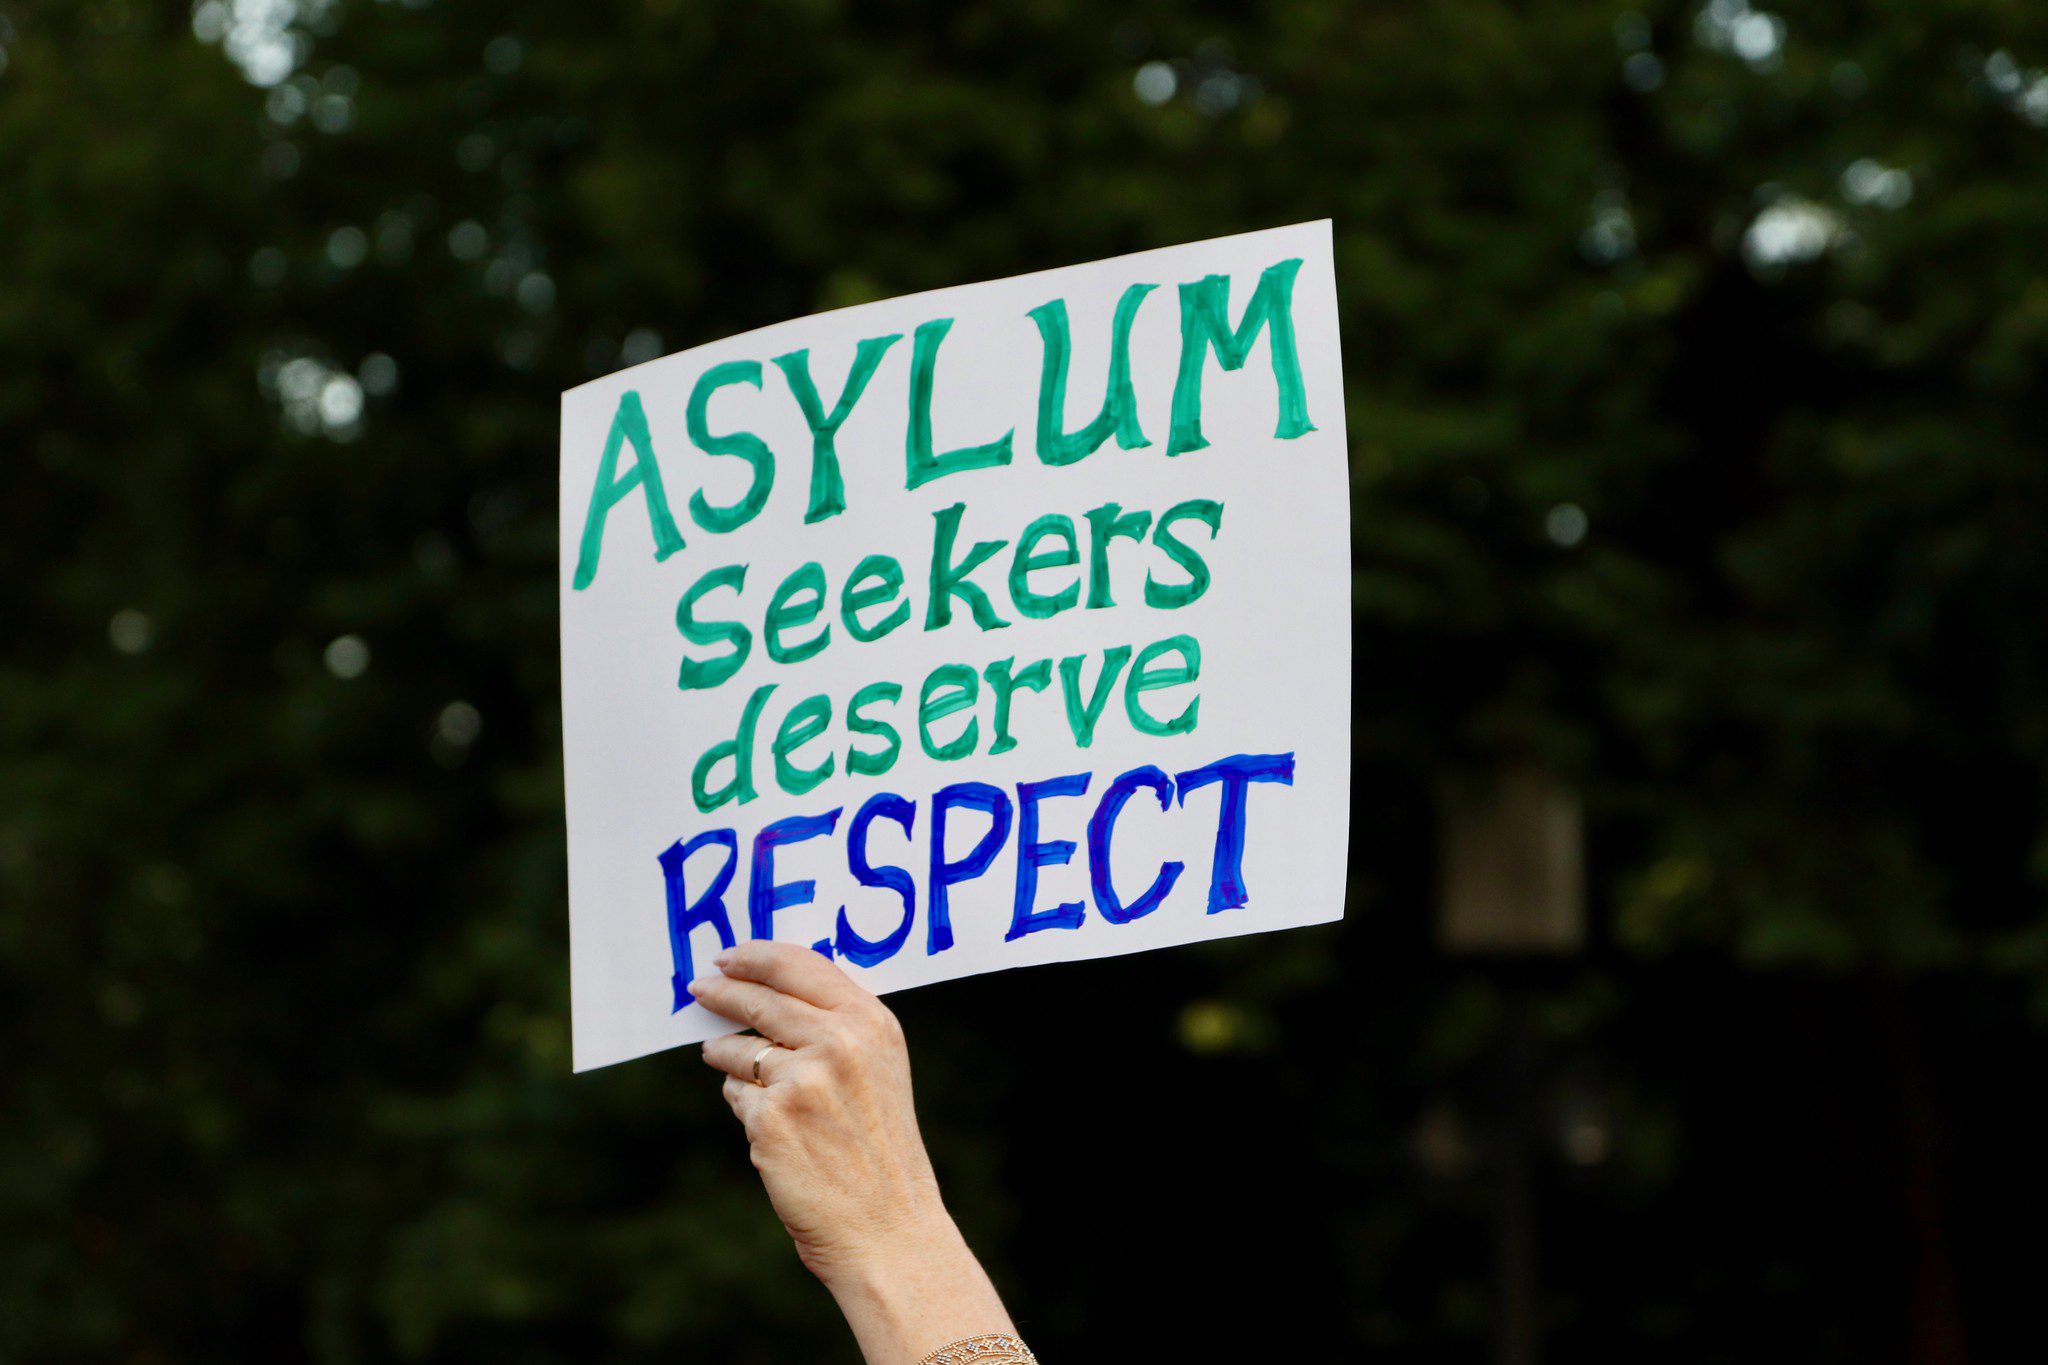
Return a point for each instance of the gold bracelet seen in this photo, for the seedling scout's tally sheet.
(997, 1348)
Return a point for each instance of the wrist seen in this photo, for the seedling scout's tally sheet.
(916, 1229)
(918, 1293)
(924, 1243)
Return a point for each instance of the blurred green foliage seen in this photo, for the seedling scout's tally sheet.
(1695, 358)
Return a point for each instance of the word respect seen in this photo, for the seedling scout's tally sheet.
(698, 881)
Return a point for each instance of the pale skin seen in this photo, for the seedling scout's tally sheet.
(833, 1132)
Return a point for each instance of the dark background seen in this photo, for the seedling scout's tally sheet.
(1694, 358)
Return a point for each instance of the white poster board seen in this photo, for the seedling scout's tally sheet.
(999, 625)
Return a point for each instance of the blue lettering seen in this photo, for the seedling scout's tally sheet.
(685, 915)
(946, 875)
(860, 951)
(1236, 773)
(1032, 855)
(764, 897)
(1102, 829)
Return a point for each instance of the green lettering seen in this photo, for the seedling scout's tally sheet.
(1205, 324)
(629, 423)
(861, 761)
(798, 601)
(947, 689)
(1107, 523)
(828, 489)
(1037, 605)
(854, 598)
(1082, 716)
(740, 750)
(806, 720)
(712, 672)
(922, 465)
(740, 444)
(1119, 412)
(1145, 678)
(1169, 595)
(1003, 682)
(949, 579)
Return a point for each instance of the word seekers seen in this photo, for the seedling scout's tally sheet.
(698, 874)
(1042, 577)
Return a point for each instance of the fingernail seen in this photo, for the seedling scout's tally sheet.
(697, 987)
(723, 958)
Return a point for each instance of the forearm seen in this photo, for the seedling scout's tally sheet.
(926, 1293)
(824, 1093)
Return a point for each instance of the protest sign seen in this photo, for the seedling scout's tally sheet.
(999, 625)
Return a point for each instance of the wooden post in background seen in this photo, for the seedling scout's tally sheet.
(1512, 883)
(1512, 875)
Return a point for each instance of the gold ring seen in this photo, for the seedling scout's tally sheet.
(757, 1063)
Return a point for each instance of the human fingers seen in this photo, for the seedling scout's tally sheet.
(778, 1017)
(745, 1099)
(794, 970)
(744, 1056)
